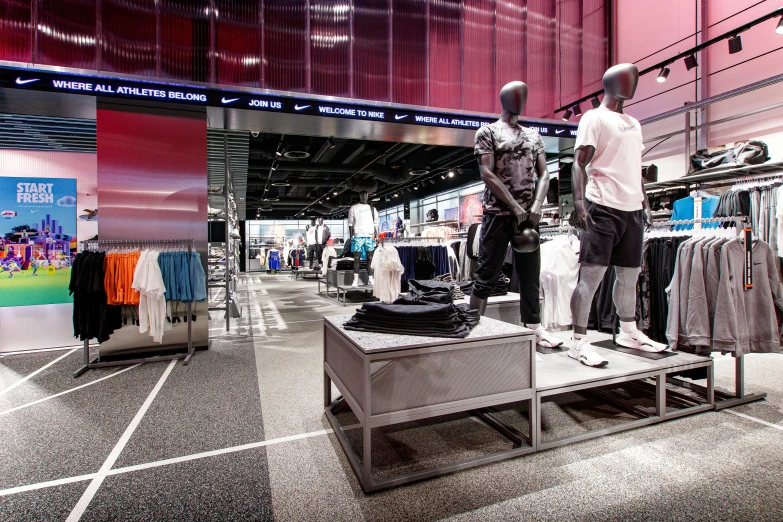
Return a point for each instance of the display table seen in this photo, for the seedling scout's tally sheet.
(305, 272)
(340, 281)
(390, 379)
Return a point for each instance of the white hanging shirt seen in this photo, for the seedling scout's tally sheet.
(148, 281)
(387, 273)
(364, 219)
(559, 276)
(615, 172)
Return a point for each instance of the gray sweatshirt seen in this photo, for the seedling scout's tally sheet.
(745, 320)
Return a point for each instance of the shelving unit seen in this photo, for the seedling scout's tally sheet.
(230, 246)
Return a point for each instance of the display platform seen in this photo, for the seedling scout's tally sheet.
(501, 307)
(391, 379)
(387, 379)
(303, 273)
(338, 282)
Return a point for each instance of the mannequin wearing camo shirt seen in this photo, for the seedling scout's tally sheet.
(513, 167)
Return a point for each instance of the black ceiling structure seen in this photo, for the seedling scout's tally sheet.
(299, 176)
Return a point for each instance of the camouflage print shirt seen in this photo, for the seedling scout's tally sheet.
(516, 151)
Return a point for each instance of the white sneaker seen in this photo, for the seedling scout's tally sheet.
(585, 353)
(371, 281)
(638, 341)
(545, 339)
(355, 283)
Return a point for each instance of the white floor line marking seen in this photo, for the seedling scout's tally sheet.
(70, 390)
(36, 372)
(48, 484)
(39, 350)
(754, 419)
(213, 453)
(89, 493)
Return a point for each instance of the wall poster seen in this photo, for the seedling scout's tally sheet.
(37, 240)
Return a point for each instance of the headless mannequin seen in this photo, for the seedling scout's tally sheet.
(513, 98)
(357, 255)
(619, 84)
(312, 247)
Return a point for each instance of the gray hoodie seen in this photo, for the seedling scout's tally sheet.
(745, 320)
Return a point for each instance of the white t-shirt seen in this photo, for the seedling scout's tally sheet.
(311, 235)
(615, 172)
(363, 219)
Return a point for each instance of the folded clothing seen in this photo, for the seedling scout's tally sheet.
(501, 287)
(421, 319)
(346, 263)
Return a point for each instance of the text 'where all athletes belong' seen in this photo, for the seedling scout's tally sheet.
(125, 90)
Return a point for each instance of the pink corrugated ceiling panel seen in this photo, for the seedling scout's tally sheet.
(478, 59)
(371, 49)
(128, 36)
(541, 63)
(594, 45)
(569, 71)
(330, 47)
(184, 39)
(66, 33)
(285, 45)
(445, 54)
(510, 52)
(15, 43)
(238, 42)
(409, 51)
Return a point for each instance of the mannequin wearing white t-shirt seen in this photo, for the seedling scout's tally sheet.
(611, 207)
(363, 225)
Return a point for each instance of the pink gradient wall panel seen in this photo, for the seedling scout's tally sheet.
(330, 47)
(541, 38)
(445, 50)
(371, 44)
(67, 33)
(238, 43)
(15, 23)
(511, 38)
(409, 52)
(184, 39)
(478, 58)
(594, 44)
(570, 42)
(128, 37)
(285, 45)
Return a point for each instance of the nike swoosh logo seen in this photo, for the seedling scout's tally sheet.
(230, 100)
(398, 117)
(20, 81)
(559, 131)
(300, 107)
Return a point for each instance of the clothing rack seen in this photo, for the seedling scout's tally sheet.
(722, 400)
(409, 239)
(101, 244)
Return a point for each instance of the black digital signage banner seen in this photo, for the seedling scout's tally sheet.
(30, 79)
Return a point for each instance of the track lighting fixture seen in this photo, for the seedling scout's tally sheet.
(334, 193)
(577, 110)
(396, 195)
(595, 102)
(663, 75)
(273, 167)
(779, 28)
(690, 62)
(735, 44)
(415, 187)
(330, 142)
(451, 173)
(567, 115)
(442, 176)
(432, 181)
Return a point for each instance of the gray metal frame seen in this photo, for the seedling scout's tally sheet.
(297, 274)
(338, 288)
(368, 421)
(89, 364)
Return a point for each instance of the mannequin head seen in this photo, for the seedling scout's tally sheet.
(621, 80)
(513, 97)
(363, 197)
(312, 222)
(321, 221)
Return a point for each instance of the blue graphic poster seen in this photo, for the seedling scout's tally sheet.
(37, 240)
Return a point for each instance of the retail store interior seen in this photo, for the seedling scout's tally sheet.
(391, 274)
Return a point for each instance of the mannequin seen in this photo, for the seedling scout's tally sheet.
(611, 207)
(512, 164)
(363, 222)
(322, 235)
(312, 244)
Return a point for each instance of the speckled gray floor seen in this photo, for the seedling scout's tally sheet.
(262, 381)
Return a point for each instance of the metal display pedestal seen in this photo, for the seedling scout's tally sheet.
(303, 273)
(339, 282)
(390, 379)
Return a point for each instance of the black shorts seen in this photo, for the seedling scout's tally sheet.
(616, 238)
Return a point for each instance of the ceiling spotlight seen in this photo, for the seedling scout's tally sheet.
(278, 153)
(327, 198)
(273, 167)
(335, 193)
(595, 102)
(432, 181)
(690, 62)
(396, 195)
(416, 187)
(330, 142)
(735, 44)
(779, 28)
(451, 173)
(663, 75)
(577, 110)
(567, 115)
(442, 176)
(408, 189)
(387, 198)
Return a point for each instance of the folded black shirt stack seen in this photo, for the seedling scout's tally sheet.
(426, 311)
(346, 263)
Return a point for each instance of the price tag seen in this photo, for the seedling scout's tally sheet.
(748, 231)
